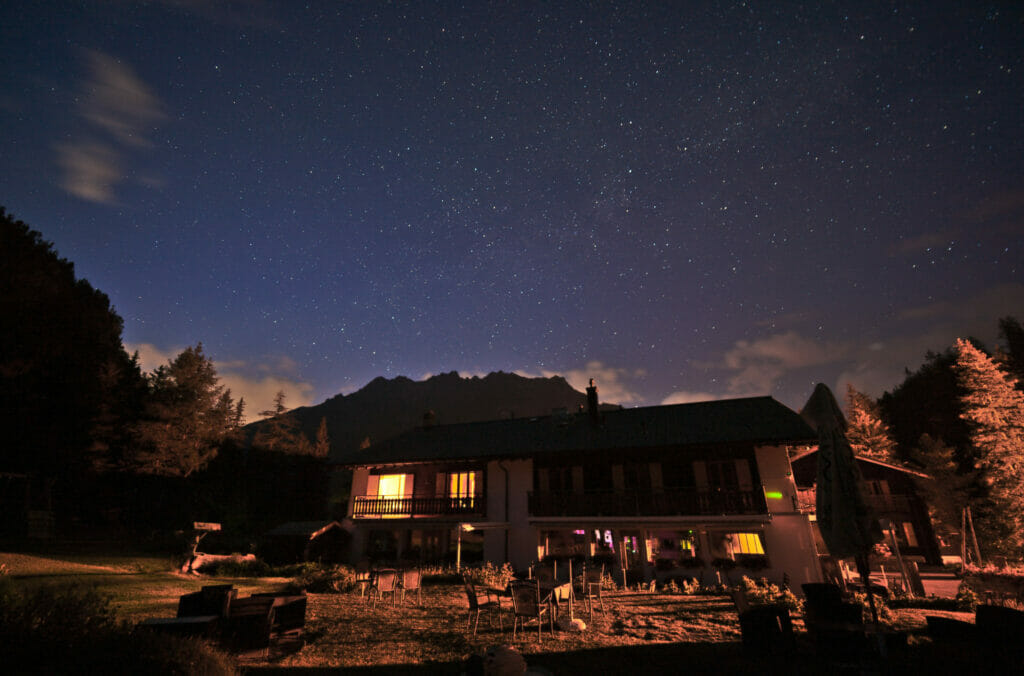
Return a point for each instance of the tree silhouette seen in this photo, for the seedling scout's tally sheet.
(61, 359)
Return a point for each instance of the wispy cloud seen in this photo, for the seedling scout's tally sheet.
(612, 382)
(255, 381)
(687, 397)
(757, 365)
(119, 112)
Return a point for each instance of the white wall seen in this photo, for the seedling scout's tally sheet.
(789, 541)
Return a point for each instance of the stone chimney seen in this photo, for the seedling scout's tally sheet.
(592, 401)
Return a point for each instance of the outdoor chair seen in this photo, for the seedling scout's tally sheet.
(248, 624)
(479, 602)
(766, 629)
(289, 611)
(545, 575)
(210, 600)
(592, 588)
(836, 625)
(527, 604)
(411, 583)
(385, 581)
(825, 606)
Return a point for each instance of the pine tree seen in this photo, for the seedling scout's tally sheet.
(868, 435)
(994, 410)
(946, 491)
(188, 415)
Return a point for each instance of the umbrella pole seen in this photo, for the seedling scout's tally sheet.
(864, 568)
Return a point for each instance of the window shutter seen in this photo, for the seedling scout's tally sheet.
(657, 484)
(700, 474)
(372, 482)
(577, 479)
(743, 474)
(441, 485)
(408, 485)
(618, 479)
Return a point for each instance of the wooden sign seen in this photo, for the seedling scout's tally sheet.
(203, 525)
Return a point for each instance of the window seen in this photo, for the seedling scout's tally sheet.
(390, 487)
(597, 476)
(722, 475)
(746, 543)
(462, 485)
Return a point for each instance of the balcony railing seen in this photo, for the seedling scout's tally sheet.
(372, 505)
(638, 503)
(881, 504)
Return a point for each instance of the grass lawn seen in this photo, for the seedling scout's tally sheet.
(638, 632)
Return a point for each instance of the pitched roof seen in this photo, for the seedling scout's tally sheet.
(755, 420)
(799, 457)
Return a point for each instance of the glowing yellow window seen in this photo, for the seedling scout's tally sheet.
(746, 543)
(392, 487)
(462, 485)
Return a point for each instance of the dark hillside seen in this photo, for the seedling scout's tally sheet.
(385, 408)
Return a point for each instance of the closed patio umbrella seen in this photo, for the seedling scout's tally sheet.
(847, 524)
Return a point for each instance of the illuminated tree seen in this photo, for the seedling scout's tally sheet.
(994, 411)
(868, 435)
(188, 415)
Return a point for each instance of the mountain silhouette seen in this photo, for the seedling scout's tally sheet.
(385, 408)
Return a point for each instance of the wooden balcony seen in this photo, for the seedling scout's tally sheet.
(373, 506)
(883, 505)
(637, 503)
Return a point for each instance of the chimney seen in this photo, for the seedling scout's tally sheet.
(592, 401)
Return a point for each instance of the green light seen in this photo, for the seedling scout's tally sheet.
(774, 495)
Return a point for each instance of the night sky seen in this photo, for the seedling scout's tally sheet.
(683, 200)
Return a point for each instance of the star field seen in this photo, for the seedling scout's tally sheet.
(682, 201)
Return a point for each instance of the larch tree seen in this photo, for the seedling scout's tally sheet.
(994, 411)
(188, 415)
(868, 435)
(281, 432)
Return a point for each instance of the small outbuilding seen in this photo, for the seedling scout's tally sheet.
(295, 541)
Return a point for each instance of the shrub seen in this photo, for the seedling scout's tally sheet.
(74, 628)
(236, 568)
(966, 598)
(326, 580)
(490, 575)
(763, 592)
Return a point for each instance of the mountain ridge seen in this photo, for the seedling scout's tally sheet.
(384, 408)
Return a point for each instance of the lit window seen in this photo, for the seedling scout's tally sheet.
(746, 543)
(391, 485)
(462, 485)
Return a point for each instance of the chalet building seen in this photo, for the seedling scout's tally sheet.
(891, 492)
(699, 489)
